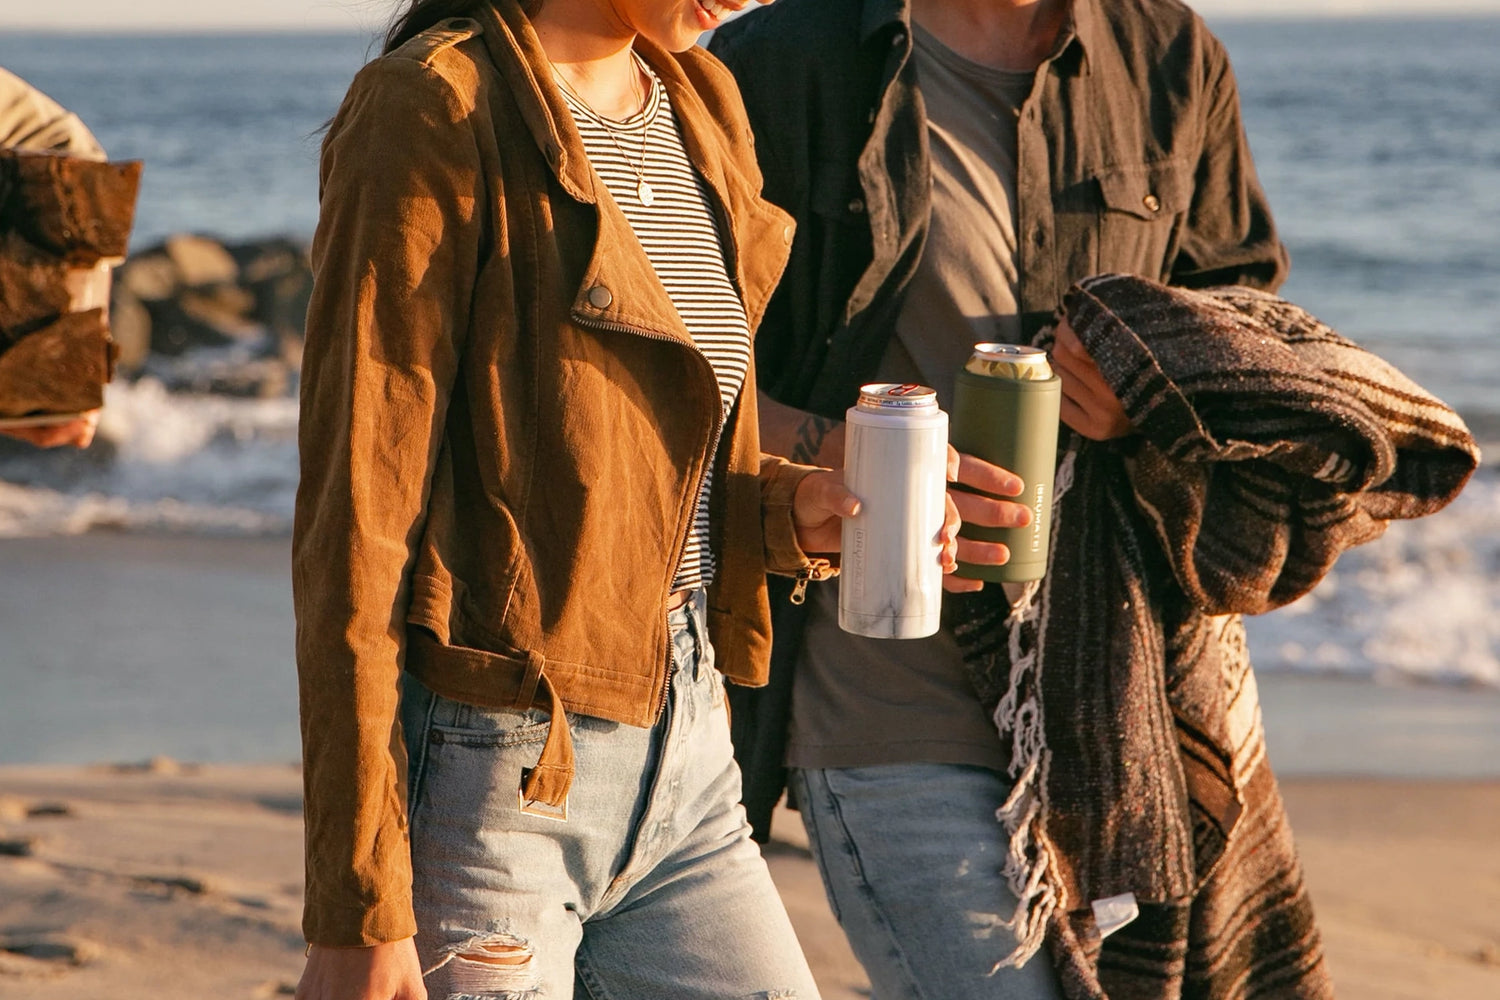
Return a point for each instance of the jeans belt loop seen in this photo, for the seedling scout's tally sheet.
(527, 693)
(544, 789)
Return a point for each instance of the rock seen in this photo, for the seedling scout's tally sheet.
(185, 883)
(165, 766)
(225, 307)
(281, 303)
(201, 261)
(59, 948)
(149, 276)
(49, 810)
(279, 274)
(226, 372)
(130, 327)
(209, 317)
(175, 330)
(17, 847)
(263, 260)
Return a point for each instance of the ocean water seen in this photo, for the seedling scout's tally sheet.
(1378, 143)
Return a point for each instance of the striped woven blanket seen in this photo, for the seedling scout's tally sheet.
(1265, 444)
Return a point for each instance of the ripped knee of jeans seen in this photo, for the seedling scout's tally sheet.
(490, 967)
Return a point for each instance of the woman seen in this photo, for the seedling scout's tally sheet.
(532, 487)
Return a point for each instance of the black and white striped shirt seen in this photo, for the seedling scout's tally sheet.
(682, 240)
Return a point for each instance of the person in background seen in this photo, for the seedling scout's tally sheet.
(534, 519)
(32, 121)
(953, 167)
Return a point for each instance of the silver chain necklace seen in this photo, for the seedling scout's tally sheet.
(643, 189)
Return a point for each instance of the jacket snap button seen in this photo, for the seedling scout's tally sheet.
(857, 205)
(600, 297)
(1152, 202)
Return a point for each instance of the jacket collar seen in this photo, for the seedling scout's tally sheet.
(1079, 30)
(517, 53)
(755, 226)
(515, 49)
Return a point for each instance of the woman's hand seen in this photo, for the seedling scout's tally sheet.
(1089, 405)
(822, 502)
(78, 432)
(818, 510)
(383, 972)
(987, 511)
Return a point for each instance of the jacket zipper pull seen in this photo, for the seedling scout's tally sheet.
(815, 570)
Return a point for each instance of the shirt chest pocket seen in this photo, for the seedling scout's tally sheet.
(1140, 213)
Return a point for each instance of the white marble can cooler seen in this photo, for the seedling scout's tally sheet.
(895, 462)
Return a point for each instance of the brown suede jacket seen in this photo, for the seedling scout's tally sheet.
(504, 426)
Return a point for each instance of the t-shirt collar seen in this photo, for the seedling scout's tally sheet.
(879, 15)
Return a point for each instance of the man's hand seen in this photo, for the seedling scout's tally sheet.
(384, 972)
(977, 474)
(78, 432)
(1089, 405)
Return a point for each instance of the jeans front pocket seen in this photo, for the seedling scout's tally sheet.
(465, 763)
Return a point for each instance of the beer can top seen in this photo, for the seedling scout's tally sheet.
(1015, 361)
(897, 396)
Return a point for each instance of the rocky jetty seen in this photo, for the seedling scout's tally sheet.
(202, 315)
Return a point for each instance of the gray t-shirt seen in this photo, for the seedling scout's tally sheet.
(858, 701)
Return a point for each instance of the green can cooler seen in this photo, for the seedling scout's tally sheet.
(1005, 411)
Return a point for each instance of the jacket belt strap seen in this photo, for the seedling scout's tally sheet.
(492, 680)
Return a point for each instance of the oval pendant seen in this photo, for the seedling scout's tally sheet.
(644, 192)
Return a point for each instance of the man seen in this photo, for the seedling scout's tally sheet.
(30, 121)
(954, 166)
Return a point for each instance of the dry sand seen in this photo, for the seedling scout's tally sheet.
(172, 882)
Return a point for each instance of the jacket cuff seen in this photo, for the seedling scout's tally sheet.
(779, 482)
(343, 926)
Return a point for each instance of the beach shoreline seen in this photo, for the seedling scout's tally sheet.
(184, 647)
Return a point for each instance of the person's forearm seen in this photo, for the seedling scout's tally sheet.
(805, 438)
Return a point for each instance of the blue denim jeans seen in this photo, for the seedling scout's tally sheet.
(911, 856)
(650, 890)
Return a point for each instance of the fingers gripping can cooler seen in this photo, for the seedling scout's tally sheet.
(896, 463)
(1005, 411)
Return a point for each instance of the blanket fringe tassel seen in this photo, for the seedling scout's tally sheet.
(1028, 862)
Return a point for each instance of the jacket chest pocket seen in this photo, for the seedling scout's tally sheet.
(1140, 211)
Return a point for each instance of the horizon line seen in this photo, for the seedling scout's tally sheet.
(1447, 11)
